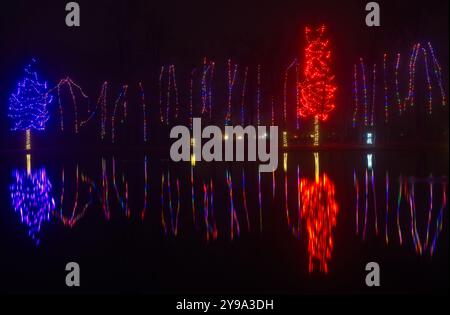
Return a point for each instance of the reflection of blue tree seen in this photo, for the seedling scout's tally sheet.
(31, 197)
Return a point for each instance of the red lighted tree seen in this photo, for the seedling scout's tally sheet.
(318, 88)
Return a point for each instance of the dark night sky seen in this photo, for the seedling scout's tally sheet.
(126, 40)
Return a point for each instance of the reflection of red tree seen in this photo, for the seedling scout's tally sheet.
(319, 210)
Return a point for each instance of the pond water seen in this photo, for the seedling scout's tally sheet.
(139, 223)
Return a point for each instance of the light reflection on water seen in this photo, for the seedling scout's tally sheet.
(305, 198)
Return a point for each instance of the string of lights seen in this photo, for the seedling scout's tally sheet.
(231, 80)
(438, 74)
(355, 95)
(27, 107)
(121, 102)
(318, 89)
(144, 111)
(285, 90)
(386, 91)
(258, 95)
(430, 89)
(244, 87)
(374, 88)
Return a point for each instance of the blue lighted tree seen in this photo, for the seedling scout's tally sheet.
(28, 106)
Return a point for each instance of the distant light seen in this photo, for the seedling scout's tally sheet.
(369, 138)
(369, 161)
(285, 144)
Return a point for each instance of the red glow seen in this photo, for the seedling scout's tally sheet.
(318, 89)
(319, 210)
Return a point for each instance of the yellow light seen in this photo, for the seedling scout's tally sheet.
(316, 131)
(193, 159)
(28, 163)
(316, 166)
(285, 156)
(28, 139)
(225, 137)
(285, 139)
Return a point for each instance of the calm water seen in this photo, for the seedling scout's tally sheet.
(144, 224)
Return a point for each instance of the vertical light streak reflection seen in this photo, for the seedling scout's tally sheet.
(356, 184)
(244, 199)
(233, 216)
(386, 220)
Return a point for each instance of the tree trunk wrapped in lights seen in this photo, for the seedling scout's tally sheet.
(318, 88)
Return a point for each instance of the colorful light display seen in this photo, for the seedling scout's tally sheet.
(144, 111)
(397, 84)
(208, 209)
(386, 91)
(403, 92)
(318, 90)
(244, 88)
(105, 190)
(319, 210)
(438, 75)
(406, 203)
(78, 210)
(27, 108)
(160, 99)
(121, 102)
(244, 199)
(260, 203)
(386, 220)
(171, 95)
(356, 184)
(101, 103)
(72, 88)
(258, 95)
(31, 198)
(234, 222)
(364, 81)
(293, 65)
(193, 194)
(191, 97)
(231, 74)
(121, 190)
(355, 95)
(374, 90)
(171, 85)
(146, 189)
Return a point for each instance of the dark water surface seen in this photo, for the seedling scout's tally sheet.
(133, 226)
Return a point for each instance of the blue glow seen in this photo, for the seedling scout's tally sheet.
(31, 197)
(28, 106)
